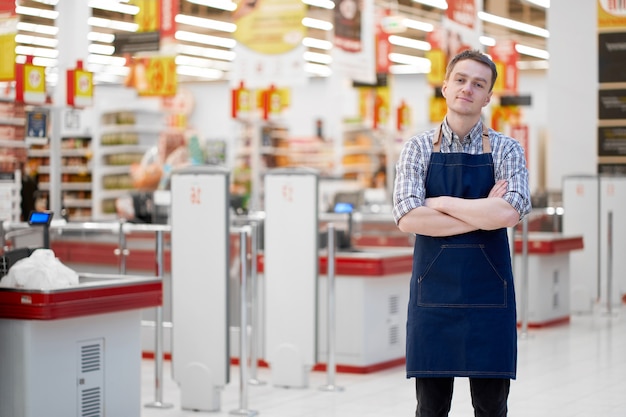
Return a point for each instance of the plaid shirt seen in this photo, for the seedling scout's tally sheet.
(508, 158)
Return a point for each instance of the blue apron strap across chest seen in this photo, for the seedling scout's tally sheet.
(437, 140)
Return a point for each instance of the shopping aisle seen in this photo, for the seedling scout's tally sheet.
(572, 370)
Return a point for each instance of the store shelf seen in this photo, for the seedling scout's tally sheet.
(124, 135)
(10, 196)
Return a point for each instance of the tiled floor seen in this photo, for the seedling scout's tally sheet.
(572, 370)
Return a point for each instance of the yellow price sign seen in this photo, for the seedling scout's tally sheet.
(160, 73)
(148, 17)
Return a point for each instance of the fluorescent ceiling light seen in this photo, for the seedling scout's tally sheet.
(112, 24)
(95, 48)
(439, 4)
(113, 6)
(216, 4)
(487, 40)
(192, 61)
(408, 59)
(116, 61)
(36, 40)
(42, 62)
(409, 43)
(529, 50)
(183, 35)
(42, 52)
(317, 69)
(317, 24)
(41, 29)
(410, 69)
(101, 37)
(32, 11)
(209, 73)
(417, 25)
(116, 70)
(206, 52)
(317, 43)
(318, 58)
(514, 24)
(324, 4)
(206, 23)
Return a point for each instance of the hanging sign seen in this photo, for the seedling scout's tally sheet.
(153, 76)
(8, 31)
(505, 56)
(403, 117)
(148, 17)
(241, 101)
(30, 83)
(79, 86)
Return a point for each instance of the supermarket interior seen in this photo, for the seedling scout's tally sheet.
(271, 130)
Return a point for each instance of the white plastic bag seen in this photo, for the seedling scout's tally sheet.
(42, 270)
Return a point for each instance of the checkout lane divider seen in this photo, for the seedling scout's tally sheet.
(243, 409)
(158, 334)
(253, 307)
(331, 366)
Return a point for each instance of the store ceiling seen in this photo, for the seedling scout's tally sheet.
(519, 10)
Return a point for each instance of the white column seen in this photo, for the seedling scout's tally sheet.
(73, 45)
(572, 90)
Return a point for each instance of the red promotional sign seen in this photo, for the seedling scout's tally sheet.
(383, 47)
(505, 56)
(520, 132)
(462, 11)
(169, 9)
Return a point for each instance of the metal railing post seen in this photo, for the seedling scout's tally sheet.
(331, 366)
(121, 250)
(243, 330)
(254, 307)
(158, 333)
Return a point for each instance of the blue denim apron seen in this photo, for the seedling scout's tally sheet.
(461, 316)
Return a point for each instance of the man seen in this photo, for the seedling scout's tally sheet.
(458, 187)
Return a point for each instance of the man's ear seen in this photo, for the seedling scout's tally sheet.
(443, 89)
(488, 99)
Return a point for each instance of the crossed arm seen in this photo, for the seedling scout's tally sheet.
(447, 216)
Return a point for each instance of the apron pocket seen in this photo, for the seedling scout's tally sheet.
(461, 276)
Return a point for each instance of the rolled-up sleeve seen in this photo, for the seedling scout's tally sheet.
(512, 168)
(409, 189)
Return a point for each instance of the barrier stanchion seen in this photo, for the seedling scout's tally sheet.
(331, 366)
(254, 307)
(121, 251)
(243, 333)
(158, 334)
(609, 264)
(524, 293)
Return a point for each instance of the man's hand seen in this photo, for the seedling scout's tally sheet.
(499, 189)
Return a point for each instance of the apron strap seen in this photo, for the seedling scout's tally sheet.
(437, 140)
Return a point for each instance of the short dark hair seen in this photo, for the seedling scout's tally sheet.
(475, 55)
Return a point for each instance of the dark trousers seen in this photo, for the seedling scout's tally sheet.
(434, 396)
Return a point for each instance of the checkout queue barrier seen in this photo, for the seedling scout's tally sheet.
(9, 230)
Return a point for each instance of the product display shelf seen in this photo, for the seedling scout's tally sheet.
(12, 132)
(76, 174)
(362, 153)
(124, 135)
(10, 196)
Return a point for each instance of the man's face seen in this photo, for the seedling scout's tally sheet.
(467, 89)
